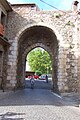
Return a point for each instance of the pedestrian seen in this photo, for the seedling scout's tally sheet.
(47, 78)
(32, 82)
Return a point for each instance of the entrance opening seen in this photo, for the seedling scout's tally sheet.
(33, 37)
(38, 66)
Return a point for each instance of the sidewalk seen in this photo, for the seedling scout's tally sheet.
(5, 94)
(72, 99)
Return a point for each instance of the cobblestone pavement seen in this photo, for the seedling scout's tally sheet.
(36, 104)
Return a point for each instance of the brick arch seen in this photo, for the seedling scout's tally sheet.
(37, 36)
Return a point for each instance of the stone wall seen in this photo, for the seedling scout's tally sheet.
(1, 63)
(3, 66)
(66, 55)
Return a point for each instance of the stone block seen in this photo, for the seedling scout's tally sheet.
(13, 81)
(8, 77)
(66, 88)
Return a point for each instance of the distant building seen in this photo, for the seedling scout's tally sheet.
(29, 73)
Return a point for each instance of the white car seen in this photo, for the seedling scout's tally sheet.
(43, 77)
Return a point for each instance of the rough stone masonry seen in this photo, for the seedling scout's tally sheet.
(58, 32)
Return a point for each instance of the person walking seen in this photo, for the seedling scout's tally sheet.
(32, 82)
(47, 78)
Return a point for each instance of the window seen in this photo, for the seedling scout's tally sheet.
(3, 17)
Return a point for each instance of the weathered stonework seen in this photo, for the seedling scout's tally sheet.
(3, 65)
(56, 32)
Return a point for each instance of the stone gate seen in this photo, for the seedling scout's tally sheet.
(56, 32)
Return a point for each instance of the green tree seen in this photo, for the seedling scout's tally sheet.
(39, 60)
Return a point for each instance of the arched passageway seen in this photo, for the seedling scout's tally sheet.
(32, 37)
(38, 66)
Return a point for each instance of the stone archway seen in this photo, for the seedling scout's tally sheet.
(32, 37)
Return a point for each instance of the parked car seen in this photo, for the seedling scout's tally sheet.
(36, 77)
(29, 76)
(42, 77)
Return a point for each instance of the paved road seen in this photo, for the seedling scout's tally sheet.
(39, 84)
(36, 104)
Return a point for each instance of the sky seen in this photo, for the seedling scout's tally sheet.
(59, 4)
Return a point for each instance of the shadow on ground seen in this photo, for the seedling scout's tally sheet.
(31, 97)
(11, 116)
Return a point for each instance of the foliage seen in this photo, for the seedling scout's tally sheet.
(70, 23)
(57, 15)
(38, 72)
(39, 60)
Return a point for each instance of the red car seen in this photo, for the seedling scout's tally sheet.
(29, 76)
(36, 77)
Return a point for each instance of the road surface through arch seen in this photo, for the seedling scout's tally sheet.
(39, 84)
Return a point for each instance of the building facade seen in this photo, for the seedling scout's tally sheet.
(4, 44)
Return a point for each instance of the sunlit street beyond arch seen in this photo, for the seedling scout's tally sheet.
(39, 84)
(38, 66)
